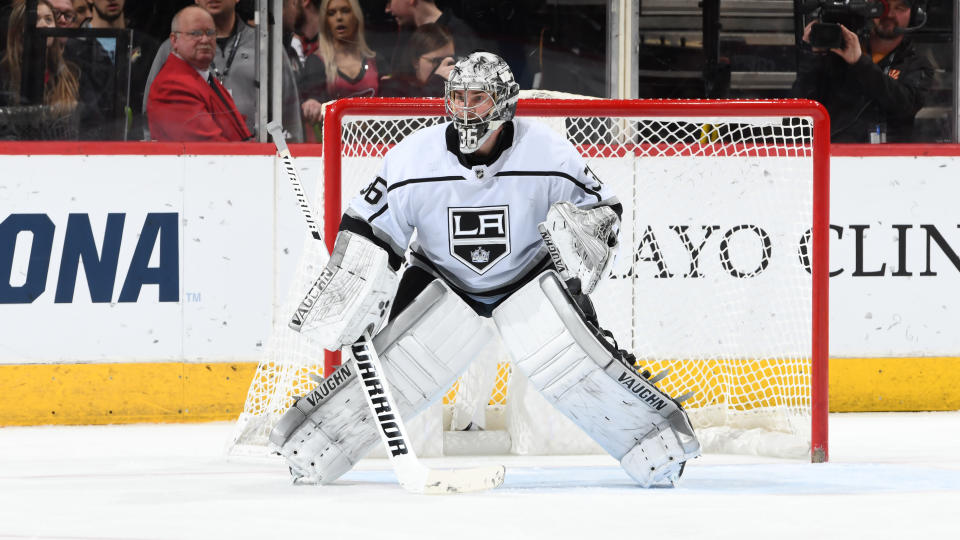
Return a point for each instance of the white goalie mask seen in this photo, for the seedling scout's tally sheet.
(481, 94)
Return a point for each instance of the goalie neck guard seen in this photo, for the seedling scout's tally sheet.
(494, 98)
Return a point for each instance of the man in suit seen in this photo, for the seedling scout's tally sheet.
(235, 66)
(187, 103)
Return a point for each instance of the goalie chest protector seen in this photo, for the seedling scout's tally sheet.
(476, 226)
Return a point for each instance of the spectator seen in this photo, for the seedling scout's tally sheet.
(65, 14)
(235, 67)
(187, 102)
(99, 113)
(292, 19)
(61, 80)
(109, 14)
(82, 9)
(872, 87)
(411, 14)
(306, 38)
(344, 65)
(427, 63)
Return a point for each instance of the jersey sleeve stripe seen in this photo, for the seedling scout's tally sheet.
(420, 180)
(579, 184)
(377, 214)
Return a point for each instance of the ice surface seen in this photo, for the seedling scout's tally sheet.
(891, 475)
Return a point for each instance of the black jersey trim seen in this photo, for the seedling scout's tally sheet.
(377, 214)
(537, 269)
(578, 183)
(617, 209)
(421, 180)
(361, 227)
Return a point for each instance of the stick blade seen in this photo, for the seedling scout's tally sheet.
(453, 481)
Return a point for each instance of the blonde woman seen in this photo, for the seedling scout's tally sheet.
(343, 65)
(61, 83)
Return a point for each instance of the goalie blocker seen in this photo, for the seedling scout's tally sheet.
(351, 296)
(577, 372)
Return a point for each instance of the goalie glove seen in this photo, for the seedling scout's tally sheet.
(351, 295)
(582, 243)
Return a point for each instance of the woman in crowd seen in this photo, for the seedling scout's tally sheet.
(427, 62)
(343, 65)
(60, 80)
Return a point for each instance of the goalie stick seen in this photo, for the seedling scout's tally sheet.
(412, 474)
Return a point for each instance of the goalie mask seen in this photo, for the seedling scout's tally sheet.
(480, 96)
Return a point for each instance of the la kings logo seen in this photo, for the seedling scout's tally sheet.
(479, 237)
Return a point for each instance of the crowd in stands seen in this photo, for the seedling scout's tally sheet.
(327, 58)
(179, 78)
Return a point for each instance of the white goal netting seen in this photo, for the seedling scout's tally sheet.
(713, 280)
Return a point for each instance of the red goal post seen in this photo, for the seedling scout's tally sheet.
(765, 140)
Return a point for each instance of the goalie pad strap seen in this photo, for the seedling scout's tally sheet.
(633, 420)
(424, 350)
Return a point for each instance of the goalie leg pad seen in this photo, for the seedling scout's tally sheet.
(424, 350)
(633, 420)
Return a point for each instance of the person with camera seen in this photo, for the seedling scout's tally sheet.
(872, 86)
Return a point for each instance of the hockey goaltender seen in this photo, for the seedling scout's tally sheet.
(511, 224)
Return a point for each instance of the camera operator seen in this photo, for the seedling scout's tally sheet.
(871, 86)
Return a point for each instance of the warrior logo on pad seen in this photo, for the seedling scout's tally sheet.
(479, 237)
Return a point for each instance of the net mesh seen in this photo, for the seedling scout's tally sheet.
(712, 280)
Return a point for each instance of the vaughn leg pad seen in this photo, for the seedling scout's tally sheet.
(633, 420)
(424, 350)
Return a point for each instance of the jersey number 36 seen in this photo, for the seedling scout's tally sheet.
(468, 137)
(374, 192)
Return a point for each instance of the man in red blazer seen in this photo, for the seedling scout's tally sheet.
(187, 103)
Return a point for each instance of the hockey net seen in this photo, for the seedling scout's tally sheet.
(721, 275)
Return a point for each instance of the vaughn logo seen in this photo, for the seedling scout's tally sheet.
(479, 237)
(330, 385)
(631, 383)
(303, 310)
(552, 249)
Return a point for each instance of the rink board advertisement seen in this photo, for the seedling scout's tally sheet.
(152, 263)
(894, 246)
(176, 263)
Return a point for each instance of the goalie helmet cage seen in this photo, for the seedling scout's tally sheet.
(723, 264)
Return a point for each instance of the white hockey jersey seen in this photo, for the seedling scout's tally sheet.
(476, 227)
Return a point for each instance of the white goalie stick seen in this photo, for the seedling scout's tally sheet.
(412, 474)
